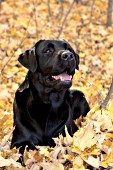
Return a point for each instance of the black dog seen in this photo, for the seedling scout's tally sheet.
(43, 103)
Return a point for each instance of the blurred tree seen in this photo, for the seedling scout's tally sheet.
(109, 13)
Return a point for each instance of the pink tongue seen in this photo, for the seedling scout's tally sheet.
(62, 77)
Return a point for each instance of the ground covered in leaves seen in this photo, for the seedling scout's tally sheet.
(22, 24)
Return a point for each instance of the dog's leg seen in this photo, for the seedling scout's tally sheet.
(79, 104)
(21, 158)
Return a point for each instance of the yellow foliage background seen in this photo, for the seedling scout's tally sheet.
(23, 23)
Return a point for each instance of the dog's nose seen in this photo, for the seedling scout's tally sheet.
(67, 55)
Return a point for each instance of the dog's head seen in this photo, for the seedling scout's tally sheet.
(54, 60)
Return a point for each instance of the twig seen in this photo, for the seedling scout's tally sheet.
(92, 6)
(34, 8)
(109, 13)
(19, 45)
(100, 94)
(59, 16)
(100, 100)
(108, 97)
(49, 9)
(63, 23)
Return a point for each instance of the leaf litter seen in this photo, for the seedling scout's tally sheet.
(92, 144)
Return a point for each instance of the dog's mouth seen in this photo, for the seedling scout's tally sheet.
(65, 76)
(60, 80)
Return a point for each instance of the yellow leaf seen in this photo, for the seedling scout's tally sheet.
(15, 87)
(109, 110)
(5, 95)
(107, 160)
(8, 162)
(9, 53)
(82, 54)
(35, 167)
(44, 151)
(85, 138)
(95, 162)
(78, 162)
(52, 166)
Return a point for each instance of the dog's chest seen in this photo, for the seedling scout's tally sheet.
(50, 119)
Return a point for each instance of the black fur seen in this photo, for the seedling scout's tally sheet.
(43, 105)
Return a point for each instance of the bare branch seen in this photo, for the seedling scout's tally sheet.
(92, 7)
(63, 23)
(109, 13)
(60, 15)
(19, 45)
(109, 95)
(34, 8)
(49, 9)
(100, 101)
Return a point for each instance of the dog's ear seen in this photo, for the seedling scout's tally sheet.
(77, 60)
(28, 58)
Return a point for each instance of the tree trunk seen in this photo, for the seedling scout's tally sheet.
(109, 13)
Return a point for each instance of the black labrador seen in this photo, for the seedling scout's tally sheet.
(44, 104)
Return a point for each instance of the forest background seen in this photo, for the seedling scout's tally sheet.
(87, 26)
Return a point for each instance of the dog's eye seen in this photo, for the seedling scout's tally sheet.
(49, 50)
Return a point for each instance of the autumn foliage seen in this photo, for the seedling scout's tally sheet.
(22, 24)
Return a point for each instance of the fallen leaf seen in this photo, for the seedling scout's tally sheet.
(5, 95)
(68, 139)
(95, 162)
(8, 162)
(52, 166)
(84, 138)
